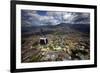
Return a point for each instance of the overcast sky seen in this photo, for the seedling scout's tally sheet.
(37, 18)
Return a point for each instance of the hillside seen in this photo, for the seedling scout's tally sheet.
(65, 42)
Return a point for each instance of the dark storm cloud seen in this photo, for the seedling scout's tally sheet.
(37, 18)
(83, 18)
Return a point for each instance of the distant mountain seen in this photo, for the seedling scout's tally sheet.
(61, 28)
(78, 27)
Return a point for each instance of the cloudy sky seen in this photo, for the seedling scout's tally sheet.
(37, 18)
